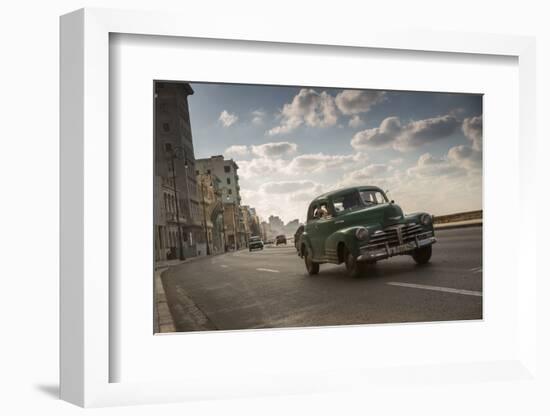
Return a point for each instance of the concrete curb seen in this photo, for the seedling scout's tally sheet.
(163, 318)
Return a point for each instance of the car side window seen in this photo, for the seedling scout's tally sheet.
(311, 212)
(322, 211)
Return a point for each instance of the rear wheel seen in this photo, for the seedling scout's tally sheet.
(311, 266)
(422, 255)
(353, 267)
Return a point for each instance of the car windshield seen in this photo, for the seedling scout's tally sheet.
(252, 239)
(355, 200)
(371, 197)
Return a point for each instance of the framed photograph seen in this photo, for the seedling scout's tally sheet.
(260, 190)
(273, 214)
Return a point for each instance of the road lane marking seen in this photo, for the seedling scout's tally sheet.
(476, 269)
(437, 288)
(223, 265)
(261, 269)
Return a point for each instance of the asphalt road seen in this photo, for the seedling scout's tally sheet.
(271, 289)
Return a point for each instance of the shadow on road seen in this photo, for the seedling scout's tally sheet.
(384, 270)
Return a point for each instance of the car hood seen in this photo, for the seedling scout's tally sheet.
(381, 214)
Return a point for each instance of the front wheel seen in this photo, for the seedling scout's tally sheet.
(422, 255)
(311, 266)
(353, 267)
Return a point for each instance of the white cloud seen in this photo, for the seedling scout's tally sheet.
(430, 166)
(236, 151)
(287, 199)
(274, 150)
(318, 162)
(378, 137)
(258, 117)
(418, 133)
(465, 156)
(358, 101)
(286, 187)
(356, 122)
(367, 175)
(227, 119)
(402, 137)
(472, 129)
(260, 167)
(308, 107)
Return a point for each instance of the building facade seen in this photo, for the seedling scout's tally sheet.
(226, 172)
(211, 205)
(178, 227)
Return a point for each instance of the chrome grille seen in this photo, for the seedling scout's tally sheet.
(394, 235)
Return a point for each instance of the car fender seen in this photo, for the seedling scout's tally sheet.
(346, 236)
(415, 217)
(304, 240)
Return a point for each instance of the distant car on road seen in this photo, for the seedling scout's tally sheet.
(297, 237)
(255, 243)
(358, 226)
(280, 239)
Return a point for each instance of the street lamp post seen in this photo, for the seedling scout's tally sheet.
(173, 156)
(186, 164)
(234, 222)
(205, 221)
(223, 229)
(235, 218)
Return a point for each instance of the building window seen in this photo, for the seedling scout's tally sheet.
(208, 171)
(227, 169)
(197, 172)
(229, 191)
(166, 127)
(229, 181)
(167, 147)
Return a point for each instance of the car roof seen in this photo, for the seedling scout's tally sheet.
(346, 190)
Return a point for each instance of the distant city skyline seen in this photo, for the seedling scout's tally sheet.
(292, 144)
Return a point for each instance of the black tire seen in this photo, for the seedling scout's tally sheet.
(354, 268)
(422, 255)
(311, 266)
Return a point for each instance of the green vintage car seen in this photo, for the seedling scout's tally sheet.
(358, 226)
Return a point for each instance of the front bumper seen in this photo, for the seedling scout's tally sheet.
(367, 254)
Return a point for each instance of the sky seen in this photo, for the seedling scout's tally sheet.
(295, 143)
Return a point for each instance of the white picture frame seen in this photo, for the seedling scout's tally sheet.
(85, 212)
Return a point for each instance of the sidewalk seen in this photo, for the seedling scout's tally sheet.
(162, 319)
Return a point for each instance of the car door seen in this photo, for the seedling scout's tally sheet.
(326, 226)
(312, 231)
(323, 229)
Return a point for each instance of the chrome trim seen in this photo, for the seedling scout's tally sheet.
(385, 251)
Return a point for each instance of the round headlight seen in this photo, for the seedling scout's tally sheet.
(362, 233)
(426, 219)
